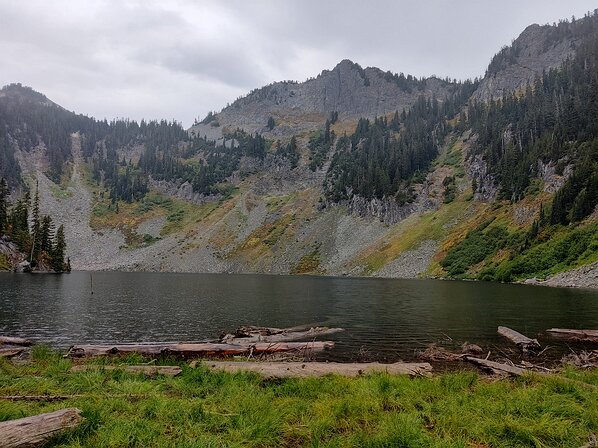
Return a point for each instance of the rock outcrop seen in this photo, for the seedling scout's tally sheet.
(348, 89)
(537, 49)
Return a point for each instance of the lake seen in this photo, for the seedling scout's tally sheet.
(384, 319)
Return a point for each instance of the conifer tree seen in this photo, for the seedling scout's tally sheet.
(58, 252)
(4, 192)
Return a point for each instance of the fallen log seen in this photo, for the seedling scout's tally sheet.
(523, 342)
(574, 335)
(318, 369)
(200, 349)
(8, 340)
(151, 371)
(34, 431)
(496, 367)
(251, 335)
(10, 352)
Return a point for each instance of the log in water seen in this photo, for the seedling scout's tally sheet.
(523, 342)
(574, 335)
(8, 340)
(201, 349)
(250, 334)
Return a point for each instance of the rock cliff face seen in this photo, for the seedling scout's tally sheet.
(537, 48)
(348, 89)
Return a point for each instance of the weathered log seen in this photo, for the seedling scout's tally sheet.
(200, 349)
(250, 335)
(574, 335)
(496, 367)
(9, 340)
(10, 352)
(34, 431)
(317, 369)
(152, 371)
(523, 342)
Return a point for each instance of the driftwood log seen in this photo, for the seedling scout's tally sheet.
(151, 371)
(201, 349)
(9, 352)
(15, 341)
(34, 431)
(317, 369)
(574, 335)
(523, 342)
(496, 367)
(250, 335)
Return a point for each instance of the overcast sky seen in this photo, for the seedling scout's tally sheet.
(181, 59)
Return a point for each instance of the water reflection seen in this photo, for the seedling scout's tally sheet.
(387, 318)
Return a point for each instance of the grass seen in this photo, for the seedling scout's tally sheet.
(204, 409)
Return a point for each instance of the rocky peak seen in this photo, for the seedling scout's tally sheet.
(23, 94)
(348, 89)
(538, 48)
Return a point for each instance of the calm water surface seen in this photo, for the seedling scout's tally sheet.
(384, 319)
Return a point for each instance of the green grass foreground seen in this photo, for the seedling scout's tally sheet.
(203, 409)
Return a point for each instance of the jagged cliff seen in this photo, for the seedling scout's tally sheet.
(536, 50)
(348, 89)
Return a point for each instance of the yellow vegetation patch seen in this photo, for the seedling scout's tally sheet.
(411, 232)
(308, 264)
(267, 235)
(4, 263)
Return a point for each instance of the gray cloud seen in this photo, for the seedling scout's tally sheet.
(180, 59)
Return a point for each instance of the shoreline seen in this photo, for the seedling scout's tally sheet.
(584, 277)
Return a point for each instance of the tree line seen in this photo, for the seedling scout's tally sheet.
(384, 157)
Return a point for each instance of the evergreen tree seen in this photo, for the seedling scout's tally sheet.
(19, 221)
(46, 234)
(4, 192)
(58, 252)
(36, 223)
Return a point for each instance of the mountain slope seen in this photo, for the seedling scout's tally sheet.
(461, 183)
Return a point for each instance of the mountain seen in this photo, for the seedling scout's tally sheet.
(354, 172)
(537, 49)
(348, 89)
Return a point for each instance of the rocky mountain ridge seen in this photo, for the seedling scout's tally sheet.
(355, 92)
(348, 89)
